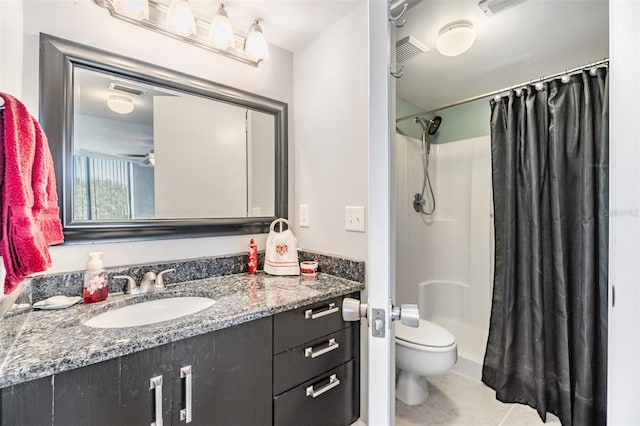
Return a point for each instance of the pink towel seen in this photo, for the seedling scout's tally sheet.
(30, 215)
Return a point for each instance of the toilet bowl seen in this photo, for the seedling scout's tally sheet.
(427, 350)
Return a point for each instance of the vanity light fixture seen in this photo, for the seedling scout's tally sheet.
(178, 20)
(221, 33)
(255, 45)
(120, 104)
(136, 9)
(456, 38)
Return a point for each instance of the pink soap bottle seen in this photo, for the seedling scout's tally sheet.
(95, 288)
(252, 263)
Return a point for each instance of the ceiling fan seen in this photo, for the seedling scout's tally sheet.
(148, 159)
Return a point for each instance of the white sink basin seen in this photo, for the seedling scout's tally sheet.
(150, 312)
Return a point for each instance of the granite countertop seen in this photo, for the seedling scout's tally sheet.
(52, 341)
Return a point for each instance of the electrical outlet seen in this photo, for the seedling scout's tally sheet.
(304, 215)
(354, 218)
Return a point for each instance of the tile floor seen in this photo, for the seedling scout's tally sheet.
(457, 400)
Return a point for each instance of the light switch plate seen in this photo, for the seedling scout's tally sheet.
(304, 215)
(354, 218)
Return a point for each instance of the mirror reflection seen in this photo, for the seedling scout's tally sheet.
(144, 151)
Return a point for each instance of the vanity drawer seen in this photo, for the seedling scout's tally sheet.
(292, 367)
(293, 328)
(328, 399)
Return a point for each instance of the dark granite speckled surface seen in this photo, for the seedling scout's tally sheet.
(41, 343)
(70, 284)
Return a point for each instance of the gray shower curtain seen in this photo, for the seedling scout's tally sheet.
(547, 343)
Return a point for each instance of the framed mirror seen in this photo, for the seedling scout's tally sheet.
(146, 152)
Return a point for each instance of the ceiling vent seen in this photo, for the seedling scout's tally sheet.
(491, 7)
(407, 48)
(126, 89)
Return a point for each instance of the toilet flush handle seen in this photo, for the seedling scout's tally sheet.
(408, 315)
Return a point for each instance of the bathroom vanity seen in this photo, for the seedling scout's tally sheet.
(271, 350)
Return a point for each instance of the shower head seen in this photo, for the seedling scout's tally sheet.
(434, 125)
(430, 126)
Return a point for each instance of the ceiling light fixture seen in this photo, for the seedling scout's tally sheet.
(221, 33)
(456, 38)
(255, 45)
(178, 21)
(120, 104)
(180, 18)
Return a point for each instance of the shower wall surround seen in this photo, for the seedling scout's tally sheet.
(444, 262)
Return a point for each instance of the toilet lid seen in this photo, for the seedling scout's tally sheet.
(427, 334)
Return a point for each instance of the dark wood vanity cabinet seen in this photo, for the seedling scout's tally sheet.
(230, 384)
(227, 380)
(299, 367)
(316, 369)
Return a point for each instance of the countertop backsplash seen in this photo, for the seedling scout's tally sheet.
(70, 283)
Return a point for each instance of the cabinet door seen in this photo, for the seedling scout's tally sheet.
(138, 402)
(27, 404)
(87, 396)
(243, 374)
(299, 364)
(326, 400)
(196, 357)
(293, 328)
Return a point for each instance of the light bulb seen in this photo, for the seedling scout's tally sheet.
(137, 9)
(256, 45)
(180, 18)
(221, 33)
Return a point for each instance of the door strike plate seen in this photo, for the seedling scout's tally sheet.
(378, 322)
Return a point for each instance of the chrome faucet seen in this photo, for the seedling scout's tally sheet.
(160, 278)
(130, 286)
(150, 282)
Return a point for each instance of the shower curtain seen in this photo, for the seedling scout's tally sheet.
(547, 344)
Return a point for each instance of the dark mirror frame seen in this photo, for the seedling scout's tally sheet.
(57, 60)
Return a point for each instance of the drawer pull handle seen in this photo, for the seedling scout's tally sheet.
(331, 346)
(331, 309)
(185, 413)
(155, 384)
(333, 382)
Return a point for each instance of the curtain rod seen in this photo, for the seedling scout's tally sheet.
(506, 89)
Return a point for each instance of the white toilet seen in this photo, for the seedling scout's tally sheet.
(427, 350)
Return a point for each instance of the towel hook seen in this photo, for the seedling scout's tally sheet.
(399, 73)
(394, 19)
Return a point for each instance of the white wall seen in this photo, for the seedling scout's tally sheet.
(331, 128)
(331, 110)
(623, 387)
(261, 157)
(85, 22)
(208, 150)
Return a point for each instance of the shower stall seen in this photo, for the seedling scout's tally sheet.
(445, 259)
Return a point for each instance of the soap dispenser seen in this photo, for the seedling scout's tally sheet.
(95, 287)
(252, 261)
